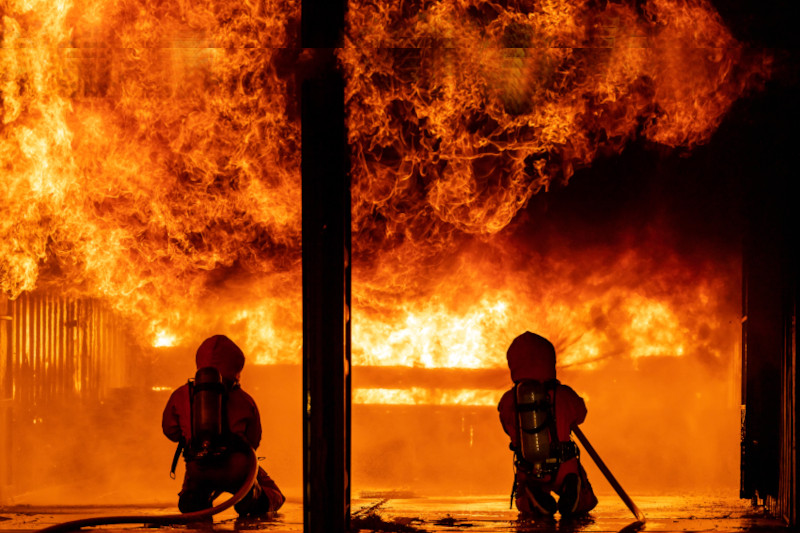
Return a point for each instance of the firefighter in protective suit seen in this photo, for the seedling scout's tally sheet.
(538, 414)
(219, 464)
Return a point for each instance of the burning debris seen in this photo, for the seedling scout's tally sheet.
(368, 518)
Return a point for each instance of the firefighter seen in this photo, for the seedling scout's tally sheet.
(538, 414)
(218, 463)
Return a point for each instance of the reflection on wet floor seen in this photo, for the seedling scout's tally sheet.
(664, 513)
(699, 512)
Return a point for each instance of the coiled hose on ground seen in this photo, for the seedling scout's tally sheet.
(180, 518)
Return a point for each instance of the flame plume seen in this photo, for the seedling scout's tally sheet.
(148, 154)
(461, 111)
(464, 110)
(150, 158)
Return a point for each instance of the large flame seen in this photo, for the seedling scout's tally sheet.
(464, 110)
(459, 112)
(150, 158)
(594, 304)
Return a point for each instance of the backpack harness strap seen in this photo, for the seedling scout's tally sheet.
(182, 443)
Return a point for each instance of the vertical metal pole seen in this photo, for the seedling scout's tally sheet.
(763, 333)
(326, 275)
(8, 396)
(60, 332)
(27, 347)
(39, 386)
(8, 365)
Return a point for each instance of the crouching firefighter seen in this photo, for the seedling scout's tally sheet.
(538, 414)
(214, 423)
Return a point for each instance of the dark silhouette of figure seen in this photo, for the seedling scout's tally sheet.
(220, 463)
(538, 414)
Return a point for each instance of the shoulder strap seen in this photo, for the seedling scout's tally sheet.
(516, 420)
(190, 383)
(182, 443)
(551, 386)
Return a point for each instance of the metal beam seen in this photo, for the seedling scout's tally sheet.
(326, 275)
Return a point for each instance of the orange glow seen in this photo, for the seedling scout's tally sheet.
(151, 160)
(146, 149)
(486, 105)
(431, 336)
(423, 396)
(163, 339)
(588, 315)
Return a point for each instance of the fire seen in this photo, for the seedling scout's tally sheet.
(150, 159)
(432, 336)
(164, 339)
(657, 328)
(459, 112)
(592, 313)
(467, 109)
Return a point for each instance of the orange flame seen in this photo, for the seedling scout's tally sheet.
(459, 112)
(594, 304)
(150, 158)
(467, 109)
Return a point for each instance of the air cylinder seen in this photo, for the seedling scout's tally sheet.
(207, 411)
(533, 413)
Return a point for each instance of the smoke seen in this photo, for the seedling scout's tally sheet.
(110, 452)
(633, 270)
(89, 452)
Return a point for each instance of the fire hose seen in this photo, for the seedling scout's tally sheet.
(169, 519)
(609, 476)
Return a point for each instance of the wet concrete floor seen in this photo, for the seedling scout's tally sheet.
(689, 513)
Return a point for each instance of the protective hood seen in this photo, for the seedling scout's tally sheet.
(221, 353)
(531, 356)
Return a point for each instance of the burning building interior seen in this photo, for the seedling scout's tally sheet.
(613, 175)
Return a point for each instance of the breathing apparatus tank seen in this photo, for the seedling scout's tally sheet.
(207, 395)
(534, 416)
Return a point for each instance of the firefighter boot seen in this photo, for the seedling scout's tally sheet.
(570, 492)
(539, 501)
